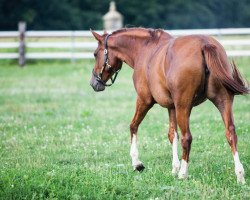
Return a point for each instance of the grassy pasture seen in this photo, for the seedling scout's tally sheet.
(61, 140)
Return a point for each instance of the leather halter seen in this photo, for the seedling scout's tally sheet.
(105, 64)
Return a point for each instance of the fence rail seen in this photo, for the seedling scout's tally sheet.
(72, 48)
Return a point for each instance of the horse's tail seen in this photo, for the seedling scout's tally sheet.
(219, 68)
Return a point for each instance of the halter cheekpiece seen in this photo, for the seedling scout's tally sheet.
(105, 65)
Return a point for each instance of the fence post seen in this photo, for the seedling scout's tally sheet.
(73, 60)
(22, 29)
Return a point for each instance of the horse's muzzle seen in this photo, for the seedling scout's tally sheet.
(96, 85)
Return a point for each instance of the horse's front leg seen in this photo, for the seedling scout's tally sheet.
(173, 138)
(140, 112)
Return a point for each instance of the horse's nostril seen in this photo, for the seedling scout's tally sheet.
(97, 86)
(91, 83)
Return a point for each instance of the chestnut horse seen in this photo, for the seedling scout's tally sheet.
(178, 74)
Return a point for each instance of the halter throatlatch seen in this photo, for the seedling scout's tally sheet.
(105, 64)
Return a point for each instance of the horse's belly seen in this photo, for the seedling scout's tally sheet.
(162, 97)
(159, 88)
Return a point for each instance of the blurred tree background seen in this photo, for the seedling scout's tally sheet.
(83, 14)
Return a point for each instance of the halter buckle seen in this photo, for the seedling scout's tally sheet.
(107, 64)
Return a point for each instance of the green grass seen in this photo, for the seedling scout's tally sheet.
(61, 140)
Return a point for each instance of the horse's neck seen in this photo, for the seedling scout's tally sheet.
(127, 49)
(131, 48)
(129, 53)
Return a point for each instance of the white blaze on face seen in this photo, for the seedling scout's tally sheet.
(134, 152)
(239, 170)
(175, 162)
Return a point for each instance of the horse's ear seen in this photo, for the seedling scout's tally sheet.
(96, 35)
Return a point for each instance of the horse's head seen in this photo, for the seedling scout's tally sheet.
(107, 64)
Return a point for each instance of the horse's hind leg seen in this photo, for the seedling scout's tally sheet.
(173, 138)
(183, 109)
(223, 101)
(141, 110)
(182, 116)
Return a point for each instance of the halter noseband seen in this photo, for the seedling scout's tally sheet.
(105, 64)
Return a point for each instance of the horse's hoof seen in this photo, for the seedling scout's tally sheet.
(175, 171)
(176, 167)
(182, 175)
(239, 170)
(139, 167)
(241, 180)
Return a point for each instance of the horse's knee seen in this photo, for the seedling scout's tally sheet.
(133, 128)
(231, 128)
(231, 135)
(186, 141)
(171, 136)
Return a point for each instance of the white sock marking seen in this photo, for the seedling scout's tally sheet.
(183, 173)
(175, 161)
(134, 152)
(239, 170)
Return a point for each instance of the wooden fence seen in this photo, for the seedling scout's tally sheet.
(25, 45)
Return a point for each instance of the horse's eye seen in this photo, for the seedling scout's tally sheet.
(95, 54)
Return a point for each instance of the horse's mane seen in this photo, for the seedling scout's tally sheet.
(140, 32)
